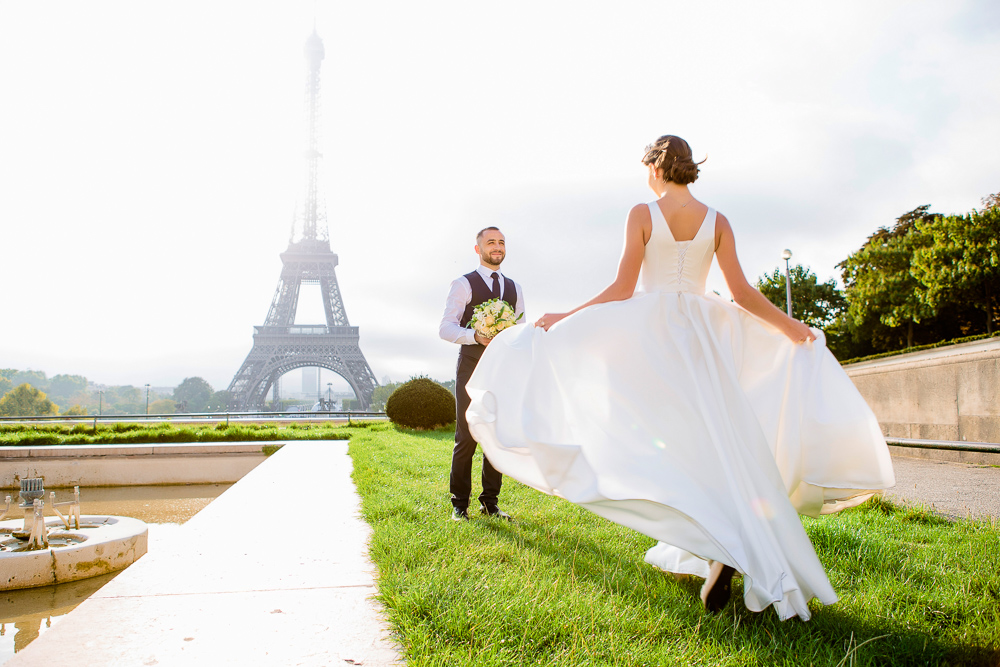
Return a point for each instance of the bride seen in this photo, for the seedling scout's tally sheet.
(704, 424)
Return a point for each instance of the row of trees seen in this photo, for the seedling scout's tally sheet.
(930, 277)
(194, 394)
(62, 389)
(33, 393)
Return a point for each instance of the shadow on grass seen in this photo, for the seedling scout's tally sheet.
(880, 643)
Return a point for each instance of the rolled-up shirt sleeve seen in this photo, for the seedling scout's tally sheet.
(459, 296)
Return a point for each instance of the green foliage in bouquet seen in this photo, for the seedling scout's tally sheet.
(421, 403)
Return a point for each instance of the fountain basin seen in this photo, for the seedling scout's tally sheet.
(101, 545)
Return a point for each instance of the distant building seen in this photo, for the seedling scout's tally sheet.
(310, 381)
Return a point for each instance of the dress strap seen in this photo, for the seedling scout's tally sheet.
(653, 206)
(711, 215)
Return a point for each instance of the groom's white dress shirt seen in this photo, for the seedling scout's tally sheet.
(459, 296)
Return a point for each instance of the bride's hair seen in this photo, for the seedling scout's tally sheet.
(672, 155)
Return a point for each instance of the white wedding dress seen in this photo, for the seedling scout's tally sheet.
(684, 417)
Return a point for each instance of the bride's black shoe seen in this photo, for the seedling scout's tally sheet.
(718, 587)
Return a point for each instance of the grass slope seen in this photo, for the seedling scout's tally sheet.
(561, 586)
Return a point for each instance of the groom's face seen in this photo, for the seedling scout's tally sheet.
(492, 248)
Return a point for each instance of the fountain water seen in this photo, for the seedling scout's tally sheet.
(34, 552)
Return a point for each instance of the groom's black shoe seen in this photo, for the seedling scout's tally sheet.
(459, 514)
(495, 512)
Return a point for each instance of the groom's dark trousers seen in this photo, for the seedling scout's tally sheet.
(465, 444)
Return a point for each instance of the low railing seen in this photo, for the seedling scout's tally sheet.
(207, 417)
(952, 445)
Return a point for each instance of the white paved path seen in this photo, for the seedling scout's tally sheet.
(957, 490)
(273, 572)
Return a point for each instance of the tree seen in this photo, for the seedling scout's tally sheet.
(5, 385)
(76, 410)
(991, 202)
(195, 392)
(124, 399)
(962, 262)
(65, 386)
(878, 279)
(25, 400)
(448, 384)
(381, 395)
(219, 401)
(36, 379)
(162, 406)
(815, 303)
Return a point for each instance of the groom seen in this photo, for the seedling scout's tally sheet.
(467, 292)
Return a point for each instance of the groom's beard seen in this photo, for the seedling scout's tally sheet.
(488, 258)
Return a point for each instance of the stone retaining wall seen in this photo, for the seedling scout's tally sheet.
(948, 393)
(128, 465)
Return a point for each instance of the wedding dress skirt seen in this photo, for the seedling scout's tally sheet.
(682, 416)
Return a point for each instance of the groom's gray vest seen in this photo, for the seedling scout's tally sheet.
(481, 293)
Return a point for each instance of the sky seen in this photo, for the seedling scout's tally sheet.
(150, 155)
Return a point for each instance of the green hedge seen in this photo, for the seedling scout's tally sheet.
(421, 403)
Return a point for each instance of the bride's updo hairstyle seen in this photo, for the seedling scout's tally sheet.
(672, 155)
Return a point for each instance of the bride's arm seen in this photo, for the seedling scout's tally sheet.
(637, 231)
(743, 292)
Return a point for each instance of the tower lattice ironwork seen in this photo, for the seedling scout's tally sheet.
(280, 345)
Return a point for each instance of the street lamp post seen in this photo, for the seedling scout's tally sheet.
(100, 401)
(786, 255)
(147, 399)
(329, 396)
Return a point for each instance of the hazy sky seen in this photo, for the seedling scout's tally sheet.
(150, 155)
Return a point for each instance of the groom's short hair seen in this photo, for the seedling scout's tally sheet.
(479, 236)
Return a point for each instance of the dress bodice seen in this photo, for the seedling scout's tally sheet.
(676, 266)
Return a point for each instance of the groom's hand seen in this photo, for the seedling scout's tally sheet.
(482, 340)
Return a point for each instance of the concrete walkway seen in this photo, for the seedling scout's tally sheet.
(957, 490)
(273, 572)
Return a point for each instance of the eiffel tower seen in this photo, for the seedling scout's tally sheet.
(280, 345)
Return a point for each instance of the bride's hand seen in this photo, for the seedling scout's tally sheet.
(799, 332)
(548, 319)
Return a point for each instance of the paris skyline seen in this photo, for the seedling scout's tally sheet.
(150, 156)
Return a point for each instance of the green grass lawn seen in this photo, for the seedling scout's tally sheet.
(561, 586)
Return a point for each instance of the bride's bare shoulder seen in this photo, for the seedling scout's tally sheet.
(721, 221)
(723, 230)
(639, 215)
(639, 222)
(641, 210)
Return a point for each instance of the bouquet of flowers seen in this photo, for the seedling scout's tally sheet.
(491, 317)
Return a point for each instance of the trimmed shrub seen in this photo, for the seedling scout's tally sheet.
(421, 403)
